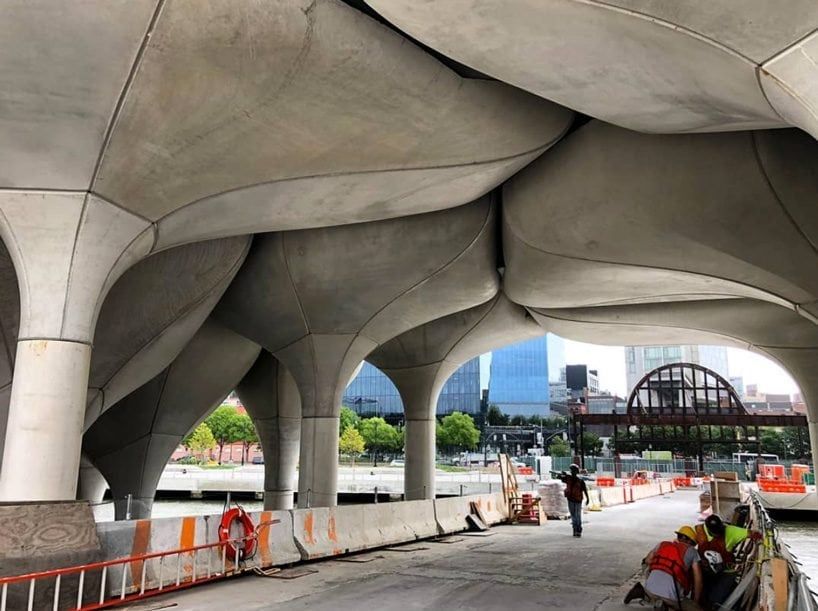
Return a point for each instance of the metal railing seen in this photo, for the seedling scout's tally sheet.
(137, 580)
(800, 596)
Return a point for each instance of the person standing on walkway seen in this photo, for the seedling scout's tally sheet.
(574, 490)
(674, 573)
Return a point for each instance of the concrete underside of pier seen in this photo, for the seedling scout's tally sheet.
(527, 567)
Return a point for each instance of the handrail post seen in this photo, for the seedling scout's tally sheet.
(128, 501)
(376, 495)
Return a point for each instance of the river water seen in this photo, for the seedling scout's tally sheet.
(802, 537)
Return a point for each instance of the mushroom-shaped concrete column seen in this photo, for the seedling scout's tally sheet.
(320, 300)
(68, 250)
(270, 394)
(133, 440)
(421, 360)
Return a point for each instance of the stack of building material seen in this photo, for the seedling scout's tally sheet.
(552, 498)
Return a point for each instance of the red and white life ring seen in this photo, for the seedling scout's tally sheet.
(246, 547)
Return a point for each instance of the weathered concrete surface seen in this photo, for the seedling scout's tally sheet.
(653, 66)
(270, 395)
(306, 298)
(132, 442)
(420, 361)
(613, 216)
(535, 567)
(262, 81)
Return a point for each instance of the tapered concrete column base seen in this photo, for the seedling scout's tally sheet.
(140, 508)
(275, 500)
(42, 454)
(419, 470)
(318, 471)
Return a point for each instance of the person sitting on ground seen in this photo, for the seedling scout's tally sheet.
(574, 489)
(674, 572)
(717, 543)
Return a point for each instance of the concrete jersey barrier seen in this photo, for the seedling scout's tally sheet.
(493, 507)
(450, 514)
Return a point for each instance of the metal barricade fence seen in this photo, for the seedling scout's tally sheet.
(133, 583)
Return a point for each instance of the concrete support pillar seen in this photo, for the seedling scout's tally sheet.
(318, 462)
(419, 388)
(419, 469)
(68, 249)
(270, 394)
(321, 366)
(813, 441)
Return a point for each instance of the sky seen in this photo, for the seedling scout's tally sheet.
(610, 361)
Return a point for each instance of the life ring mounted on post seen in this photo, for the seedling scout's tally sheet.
(247, 547)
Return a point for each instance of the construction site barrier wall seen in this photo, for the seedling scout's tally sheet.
(275, 546)
(619, 495)
(493, 506)
(450, 513)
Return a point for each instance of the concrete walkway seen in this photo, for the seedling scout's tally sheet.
(519, 567)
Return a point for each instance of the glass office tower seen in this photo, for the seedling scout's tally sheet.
(372, 393)
(518, 382)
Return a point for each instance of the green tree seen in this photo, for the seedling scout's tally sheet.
(591, 444)
(348, 418)
(457, 431)
(518, 420)
(222, 424)
(351, 443)
(559, 447)
(244, 431)
(495, 417)
(201, 440)
(378, 435)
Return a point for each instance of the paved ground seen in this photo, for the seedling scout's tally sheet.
(517, 567)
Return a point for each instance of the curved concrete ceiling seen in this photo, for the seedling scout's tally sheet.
(320, 300)
(613, 216)
(654, 66)
(775, 331)
(230, 118)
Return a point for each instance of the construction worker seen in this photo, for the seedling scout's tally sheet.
(574, 489)
(717, 543)
(674, 573)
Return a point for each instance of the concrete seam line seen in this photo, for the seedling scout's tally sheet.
(789, 48)
(54, 339)
(478, 234)
(534, 151)
(123, 94)
(766, 177)
(82, 216)
(758, 72)
(188, 309)
(640, 324)
(780, 298)
(668, 25)
(477, 323)
(282, 240)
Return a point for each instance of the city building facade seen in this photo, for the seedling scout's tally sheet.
(372, 393)
(519, 378)
(640, 360)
